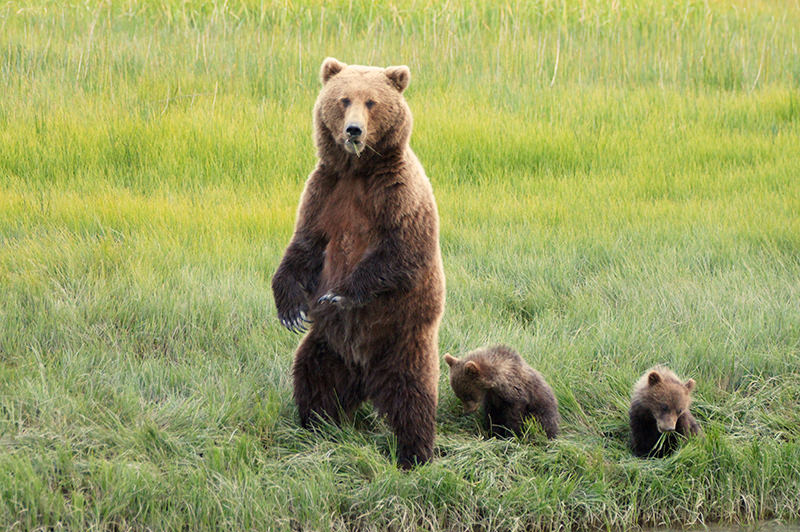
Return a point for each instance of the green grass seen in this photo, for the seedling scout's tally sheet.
(618, 187)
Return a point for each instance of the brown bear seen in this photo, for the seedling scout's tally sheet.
(363, 271)
(509, 390)
(660, 404)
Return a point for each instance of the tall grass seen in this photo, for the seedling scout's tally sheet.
(617, 183)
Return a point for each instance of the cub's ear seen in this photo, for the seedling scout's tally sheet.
(399, 76)
(689, 384)
(654, 378)
(330, 67)
(472, 369)
(450, 359)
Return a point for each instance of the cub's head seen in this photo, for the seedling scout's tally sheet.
(468, 381)
(665, 396)
(360, 109)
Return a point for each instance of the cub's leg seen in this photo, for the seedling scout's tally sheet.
(500, 418)
(644, 433)
(547, 415)
(687, 425)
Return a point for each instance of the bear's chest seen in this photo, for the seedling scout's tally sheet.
(347, 224)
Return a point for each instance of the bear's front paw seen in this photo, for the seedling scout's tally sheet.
(292, 306)
(334, 299)
(296, 321)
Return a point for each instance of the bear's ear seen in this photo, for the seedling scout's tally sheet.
(689, 384)
(450, 359)
(399, 76)
(472, 368)
(330, 67)
(654, 378)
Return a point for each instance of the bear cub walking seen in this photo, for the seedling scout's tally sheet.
(509, 390)
(660, 404)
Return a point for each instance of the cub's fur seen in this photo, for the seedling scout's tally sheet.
(509, 390)
(660, 404)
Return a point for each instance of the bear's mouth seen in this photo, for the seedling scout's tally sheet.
(353, 145)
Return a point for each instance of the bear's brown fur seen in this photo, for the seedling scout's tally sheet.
(660, 404)
(509, 390)
(363, 270)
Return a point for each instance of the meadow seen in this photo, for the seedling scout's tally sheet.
(618, 185)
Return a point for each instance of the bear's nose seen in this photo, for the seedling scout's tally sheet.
(354, 130)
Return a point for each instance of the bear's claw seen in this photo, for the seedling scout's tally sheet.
(330, 297)
(296, 324)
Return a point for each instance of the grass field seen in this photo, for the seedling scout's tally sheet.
(618, 184)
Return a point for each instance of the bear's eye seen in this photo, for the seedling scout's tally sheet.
(346, 102)
(370, 104)
(665, 409)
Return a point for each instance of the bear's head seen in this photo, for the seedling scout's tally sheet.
(468, 381)
(665, 396)
(361, 110)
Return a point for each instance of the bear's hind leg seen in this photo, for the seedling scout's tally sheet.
(409, 405)
(324, 387)
(549, 419)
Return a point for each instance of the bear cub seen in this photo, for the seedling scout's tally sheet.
(660, 404)
(509, 390)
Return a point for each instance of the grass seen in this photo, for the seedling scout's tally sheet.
(617, 184)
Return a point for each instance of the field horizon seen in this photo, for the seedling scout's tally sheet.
(617, 184)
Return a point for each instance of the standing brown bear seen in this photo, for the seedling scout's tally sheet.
(509, 390)
(660, 404)
(363, 271)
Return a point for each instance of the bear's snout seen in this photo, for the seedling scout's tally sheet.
(354, 137)
(667, 425)
(353, 129)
